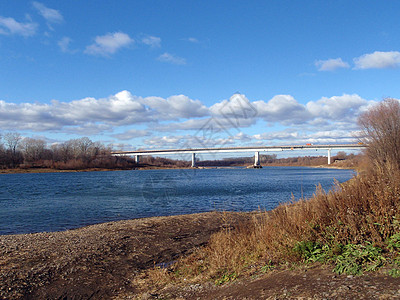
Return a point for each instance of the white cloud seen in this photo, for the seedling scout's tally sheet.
(282, 109)
(64, 45)
(89, 129)
(300, 137)
(51, 15)
(280, 119)
(131, 134)
(176, 107)
(8, 26)
(94, 115)
(192, 40)
(152, 41)
(331, 64)
(378, 60)
(109, 43)
(115, 110)
(337, 108)
(188, 141)
(172, 59)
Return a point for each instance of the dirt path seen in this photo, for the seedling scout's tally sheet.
(98, 261)
(316, 283)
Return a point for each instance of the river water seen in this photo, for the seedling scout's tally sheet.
(59, 201)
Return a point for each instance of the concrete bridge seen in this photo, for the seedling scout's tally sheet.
(256, 150)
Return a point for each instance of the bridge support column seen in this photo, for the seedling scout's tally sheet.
(193, 160)
(257, 160)
(137, 159)
(329, 156)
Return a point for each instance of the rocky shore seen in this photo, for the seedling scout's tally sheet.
(103, 262)
(99, 261)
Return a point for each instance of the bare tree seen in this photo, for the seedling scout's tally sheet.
(33, 149)
(12, 140)
(380, 127)
(2, 154)
(62, 152)
(84, 147)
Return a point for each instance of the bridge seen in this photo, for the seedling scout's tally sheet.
(256, 150)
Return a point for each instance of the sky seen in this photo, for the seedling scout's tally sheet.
(171, 74)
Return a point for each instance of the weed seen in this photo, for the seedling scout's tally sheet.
(226, 278)
(394, 273)
(356, 259)
(394, 242)
(267, 267)
(310, 251)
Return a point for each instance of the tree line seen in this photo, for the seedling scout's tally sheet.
(24, 152)
(79, 154)
(346, 160)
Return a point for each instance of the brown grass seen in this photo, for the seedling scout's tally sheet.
(364, 209)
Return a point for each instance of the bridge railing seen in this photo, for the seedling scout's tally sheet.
(256, 150)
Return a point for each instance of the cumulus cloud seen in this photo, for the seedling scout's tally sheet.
(8, 26)
(152, 41)
(378, 60)
(327, 119)
(89, 129)
(51, 15)
(109, 44)
(120, 109)
(302, 137)
(283, 109)
(176, 107)
(331, 64)
(345, 107)
(172, 59)
(131, 134)
(188, 141)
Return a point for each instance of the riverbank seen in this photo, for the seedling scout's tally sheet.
(111, 260)
(48, 170)
(100, 261)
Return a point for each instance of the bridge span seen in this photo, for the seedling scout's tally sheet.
(256, 150)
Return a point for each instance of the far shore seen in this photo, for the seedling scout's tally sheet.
(49, 170)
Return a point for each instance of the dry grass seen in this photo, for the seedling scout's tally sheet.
(364, 209)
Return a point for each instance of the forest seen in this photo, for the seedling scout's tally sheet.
(75, 154)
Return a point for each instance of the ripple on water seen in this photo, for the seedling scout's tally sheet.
(59, 201)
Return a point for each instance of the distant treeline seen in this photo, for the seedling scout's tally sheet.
(341, 159)
(82, 153)
(345, 160)
(74, 154)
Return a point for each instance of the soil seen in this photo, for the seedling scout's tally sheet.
(313, 283)
(98, 261)
(102, 261)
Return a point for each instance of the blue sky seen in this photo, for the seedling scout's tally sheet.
(163, 74)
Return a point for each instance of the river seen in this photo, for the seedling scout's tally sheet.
(58, 201)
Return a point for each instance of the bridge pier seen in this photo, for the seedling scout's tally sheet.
(257, 164)
(329, 156)
(137, 159)
(193, 160)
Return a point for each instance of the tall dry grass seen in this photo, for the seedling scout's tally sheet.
(364, 209)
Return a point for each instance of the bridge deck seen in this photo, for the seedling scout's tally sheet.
(241, 149)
